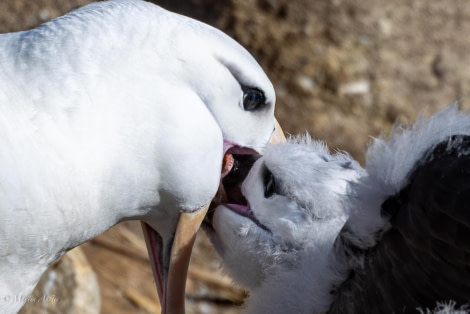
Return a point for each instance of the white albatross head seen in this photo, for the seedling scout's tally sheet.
(121, 110)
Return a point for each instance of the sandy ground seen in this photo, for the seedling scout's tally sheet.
(343, 70)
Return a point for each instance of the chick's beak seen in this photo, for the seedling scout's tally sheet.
(170, 258)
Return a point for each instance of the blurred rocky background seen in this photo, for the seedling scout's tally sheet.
(344, 70)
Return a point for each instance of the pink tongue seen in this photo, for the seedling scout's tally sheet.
(240, 208)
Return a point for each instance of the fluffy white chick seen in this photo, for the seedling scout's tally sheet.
(297, 196)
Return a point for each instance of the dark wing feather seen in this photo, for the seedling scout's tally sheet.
(425, 257)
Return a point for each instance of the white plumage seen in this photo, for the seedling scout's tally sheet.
(287, 260)
(119, 110)
(319, 234)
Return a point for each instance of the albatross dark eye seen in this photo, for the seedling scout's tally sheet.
(269, 183)
(253, 99)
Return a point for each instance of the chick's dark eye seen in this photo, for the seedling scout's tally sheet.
(253, 99)
(269, 183)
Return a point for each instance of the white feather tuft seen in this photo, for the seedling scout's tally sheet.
(390, 162)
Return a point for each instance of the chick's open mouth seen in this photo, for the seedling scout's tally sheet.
(236, 166)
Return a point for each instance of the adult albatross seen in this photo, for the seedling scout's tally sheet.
(119, 110)
(319, 234)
